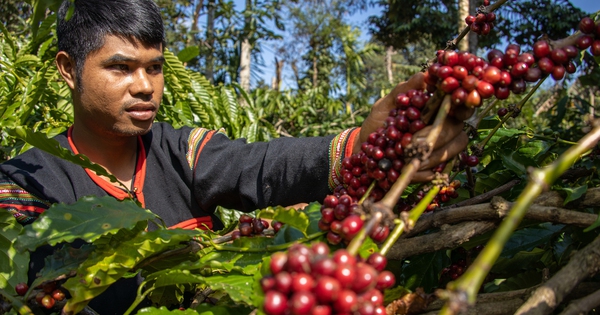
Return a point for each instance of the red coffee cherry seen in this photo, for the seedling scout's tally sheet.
(541, 49)
(21, 288)
(587, 25)
(275, 303)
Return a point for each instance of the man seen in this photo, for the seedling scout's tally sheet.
(111, 57)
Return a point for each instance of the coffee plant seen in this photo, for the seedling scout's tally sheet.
(512, 218)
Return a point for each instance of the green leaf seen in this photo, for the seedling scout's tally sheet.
(520, 281)
(87, 219)
(528, 238)
(63, 261)
(207, 309)
(13, 264)
(521, 261)
(516, 162)
(164, 310)
(292, 217)
(113, 260)
(573, 193)
(423, 270)
(237, 286)
(188, 53)
(594, 225)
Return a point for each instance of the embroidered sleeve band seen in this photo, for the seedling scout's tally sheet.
(341, 147)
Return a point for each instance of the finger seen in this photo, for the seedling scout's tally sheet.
(462, 113)
(423, 176)
(450, 130)
(447, 151)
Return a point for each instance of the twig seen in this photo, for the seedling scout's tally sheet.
(584, 305)
(447, 237)
(540, 180)
(497, 210)
(585, 263)
(485, 196)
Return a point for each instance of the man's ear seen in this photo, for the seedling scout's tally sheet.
(66, 68)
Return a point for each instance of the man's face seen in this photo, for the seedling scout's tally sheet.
(121, 88)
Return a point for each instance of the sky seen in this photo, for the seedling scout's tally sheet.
(268, 69)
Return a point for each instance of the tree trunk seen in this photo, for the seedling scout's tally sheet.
(472, 35)
(277, 80)
(463, 12)
(246, 50)
(389, 51)
(315, 72)
(210, 40)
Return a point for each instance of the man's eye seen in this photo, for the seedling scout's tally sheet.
(120, 67)
(155, 68)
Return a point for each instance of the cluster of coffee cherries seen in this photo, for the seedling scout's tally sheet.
(481, 23)
(460, 258)
(339, 216)
(249, 226)
(308, 280)
(47, 295)
(590, 37)
(446, 193)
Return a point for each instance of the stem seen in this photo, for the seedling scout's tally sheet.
(505, 118)
(540, 179)
(409, 221)
(367, 193)
(357, 241)
(418, 210)
(139, 298)
(269, 248)
(392, 238)
(16, 303)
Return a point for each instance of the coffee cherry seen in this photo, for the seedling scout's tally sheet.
(385, 280)
(502, 111)
(558, 72)
(244, 218)
(21, 288)
(485, 89)
(587, 25)
(559, 56)
(346, 302)
(275, 303)
(351, 226)
(491, 74)
(278, 262)
(584, 42)
(278, 225)
(541, 49)
(470, 19)
(546, 65)
(595, 48)
(533, 75)
(473, 99)
(327, 289)
(472, 160)
(58, 295)
(449, 84)
(48, 301)
(366, 278)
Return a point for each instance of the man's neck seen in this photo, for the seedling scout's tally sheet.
(117, 155)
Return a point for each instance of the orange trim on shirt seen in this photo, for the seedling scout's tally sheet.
(351, 137)
(206, 139)
(201, 223)
(140, 174)
(22, 207)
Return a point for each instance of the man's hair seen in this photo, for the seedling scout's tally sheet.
(91, 20)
